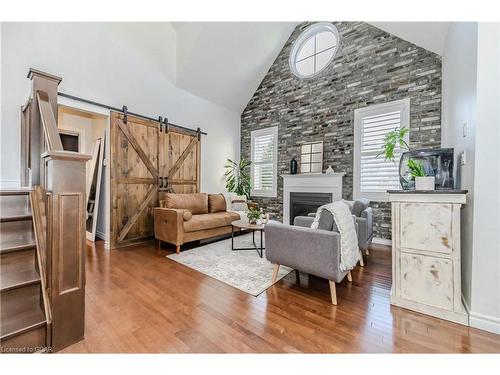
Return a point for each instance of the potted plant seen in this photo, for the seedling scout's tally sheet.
(238, 177)
(253, 215)
(422, 181)
(416, 170)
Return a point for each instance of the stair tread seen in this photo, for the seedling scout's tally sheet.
(20, 308)
(16, 235)
(17, 269)
(20, 191)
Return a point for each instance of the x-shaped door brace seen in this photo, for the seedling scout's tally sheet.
(152, 189)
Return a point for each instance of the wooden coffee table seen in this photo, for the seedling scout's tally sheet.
(243, 225)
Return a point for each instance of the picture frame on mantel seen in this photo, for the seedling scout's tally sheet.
(311, 158)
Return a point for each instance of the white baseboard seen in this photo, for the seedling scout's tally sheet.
(481, 321)
(101, 235)
(382, 241)
(484, 322)
(10, 184)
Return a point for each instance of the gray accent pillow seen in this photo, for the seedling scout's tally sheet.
(359, 206)
(327, 222)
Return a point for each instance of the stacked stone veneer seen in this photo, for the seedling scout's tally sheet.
(371, 67)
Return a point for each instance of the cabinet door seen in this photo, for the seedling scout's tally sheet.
(426, 226)
(427, 280)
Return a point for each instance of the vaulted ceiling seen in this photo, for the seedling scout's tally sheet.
(225, 62)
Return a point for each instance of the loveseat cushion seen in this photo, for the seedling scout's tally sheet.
(197, 203)
(216, 203)
(210, 221)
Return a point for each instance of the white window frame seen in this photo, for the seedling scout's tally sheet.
(402, 105)
(273, 193)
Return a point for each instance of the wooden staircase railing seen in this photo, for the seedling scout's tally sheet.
(57, 180)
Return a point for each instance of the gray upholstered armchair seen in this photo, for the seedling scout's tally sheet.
(315, 251)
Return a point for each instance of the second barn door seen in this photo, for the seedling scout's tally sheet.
(179, 161)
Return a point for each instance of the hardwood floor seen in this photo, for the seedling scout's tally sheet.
(139, 302)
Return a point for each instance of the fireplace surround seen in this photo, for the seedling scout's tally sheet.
(314, 185)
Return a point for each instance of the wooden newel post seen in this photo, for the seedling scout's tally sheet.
(32, 135)
(66, 215)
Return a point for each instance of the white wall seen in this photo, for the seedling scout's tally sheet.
(471, 95)
(459, 108)
(485, 303)
(117, 64)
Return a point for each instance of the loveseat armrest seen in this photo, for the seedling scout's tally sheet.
(168, 224)
(314, 251)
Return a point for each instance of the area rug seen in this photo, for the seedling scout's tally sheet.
(244, 269)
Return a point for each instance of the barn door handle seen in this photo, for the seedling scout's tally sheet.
(160, 183)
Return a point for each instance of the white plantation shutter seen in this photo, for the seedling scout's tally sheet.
(264, 161)
(373, 175)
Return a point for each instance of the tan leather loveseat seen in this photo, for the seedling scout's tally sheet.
(188, 217)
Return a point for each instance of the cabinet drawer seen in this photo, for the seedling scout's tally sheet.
(426, 226)
(427, 280)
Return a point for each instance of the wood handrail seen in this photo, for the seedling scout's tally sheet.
(40, 228)
(49, 122)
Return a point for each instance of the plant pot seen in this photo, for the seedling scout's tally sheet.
(425, 183)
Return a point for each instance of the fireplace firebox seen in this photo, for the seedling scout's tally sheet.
(303, 203)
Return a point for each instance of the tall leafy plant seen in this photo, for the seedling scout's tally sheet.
(392, 139)
(238, 177)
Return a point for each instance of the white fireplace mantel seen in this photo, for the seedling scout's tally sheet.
(310, 183)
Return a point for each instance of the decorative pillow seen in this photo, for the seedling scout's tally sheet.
(239, 203)
(216, 203)
(359, 206)
(327, 222)
(239, 206)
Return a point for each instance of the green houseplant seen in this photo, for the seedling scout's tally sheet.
(396, 138)
(253, 215)
(238, 177)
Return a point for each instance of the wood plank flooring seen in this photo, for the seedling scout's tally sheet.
(139, 302)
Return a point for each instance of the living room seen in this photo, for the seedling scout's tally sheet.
(315, 186)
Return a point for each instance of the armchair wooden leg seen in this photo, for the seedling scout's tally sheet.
(333, 292)
(275, 273)
(349, 277)
(159, 247)
(361, 261)
(177, 249)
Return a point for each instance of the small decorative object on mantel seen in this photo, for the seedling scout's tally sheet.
(329, 170)
(293, 166)
(253, 215)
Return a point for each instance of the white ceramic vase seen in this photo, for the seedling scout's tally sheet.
(425, 183)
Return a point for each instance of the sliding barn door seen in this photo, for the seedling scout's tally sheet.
(134, 178)
(179, 161)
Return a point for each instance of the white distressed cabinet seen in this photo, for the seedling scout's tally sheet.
(426, 253)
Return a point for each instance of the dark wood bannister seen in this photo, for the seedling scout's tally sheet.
(42, 245)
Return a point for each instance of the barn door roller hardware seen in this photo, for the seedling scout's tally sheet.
(122, 110)
(125, 114)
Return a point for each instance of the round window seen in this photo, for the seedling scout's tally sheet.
(314, 50)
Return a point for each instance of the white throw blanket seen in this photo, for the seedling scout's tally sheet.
(349, 250)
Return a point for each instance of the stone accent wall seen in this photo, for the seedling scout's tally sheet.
(371, 67)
